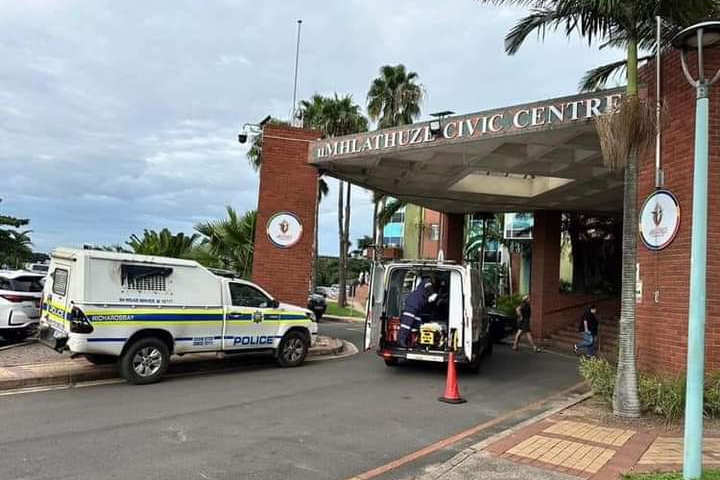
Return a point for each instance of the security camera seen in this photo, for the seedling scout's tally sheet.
(242, 137)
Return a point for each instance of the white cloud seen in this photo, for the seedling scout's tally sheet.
(119, 116)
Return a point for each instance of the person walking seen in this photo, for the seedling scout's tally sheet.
(588, 328)
(523, 313)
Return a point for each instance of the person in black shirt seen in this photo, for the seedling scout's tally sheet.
(588, 328)
(523, 313)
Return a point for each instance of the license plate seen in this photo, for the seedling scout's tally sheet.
(425, 358)
(427, 338)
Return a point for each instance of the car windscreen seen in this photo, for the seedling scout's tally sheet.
(26, 284)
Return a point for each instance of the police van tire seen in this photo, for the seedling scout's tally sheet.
(145, 361)
(99, 359)
(293, 349)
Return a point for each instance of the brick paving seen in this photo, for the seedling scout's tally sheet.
(589, 450)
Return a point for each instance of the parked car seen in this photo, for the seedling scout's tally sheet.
(501, 325)
(317, 303)
(20, 294)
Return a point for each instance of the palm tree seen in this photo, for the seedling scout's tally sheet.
(18, 248)
(231, 240)
(393, 99)
(624, 134)
(163, 243)
(336, 116)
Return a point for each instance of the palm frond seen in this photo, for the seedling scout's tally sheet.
(390, 209)
(627, 131)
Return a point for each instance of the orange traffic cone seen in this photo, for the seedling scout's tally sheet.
(452, 392)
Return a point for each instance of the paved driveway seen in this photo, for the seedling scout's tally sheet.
(325, 420)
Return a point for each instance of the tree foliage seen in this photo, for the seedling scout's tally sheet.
(394, 97)
(15, 244)
(163, 243)
(230, 241)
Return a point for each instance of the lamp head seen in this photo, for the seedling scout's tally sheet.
(689, 37)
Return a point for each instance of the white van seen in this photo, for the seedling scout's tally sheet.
(138, 310)
(459, 310)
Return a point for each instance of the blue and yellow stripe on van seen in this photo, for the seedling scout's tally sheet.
(55, 311)
(172, 316)
(185, 317)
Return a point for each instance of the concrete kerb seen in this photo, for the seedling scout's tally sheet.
(334, 318)
(74, 371)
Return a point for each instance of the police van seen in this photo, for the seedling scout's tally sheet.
(138, 310)
(456, 320)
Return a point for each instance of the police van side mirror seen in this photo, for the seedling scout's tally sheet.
(274, 303)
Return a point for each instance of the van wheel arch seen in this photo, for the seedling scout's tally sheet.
(163, 335)
(302, 330)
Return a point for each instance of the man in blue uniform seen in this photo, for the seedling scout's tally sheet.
(415, 304)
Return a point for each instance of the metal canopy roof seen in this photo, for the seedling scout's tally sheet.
(543, 155)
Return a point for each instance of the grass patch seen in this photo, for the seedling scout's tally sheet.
(708, 475)
(333, 309)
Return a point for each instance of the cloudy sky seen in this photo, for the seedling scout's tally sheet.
(121, 115)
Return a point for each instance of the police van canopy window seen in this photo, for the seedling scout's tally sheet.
(60, 278)
(247, 296)
(144, 277)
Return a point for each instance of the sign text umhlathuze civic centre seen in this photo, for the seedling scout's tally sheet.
(475, 126)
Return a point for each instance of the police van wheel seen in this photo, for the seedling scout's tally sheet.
(145, 361)
(99, 359)
(293, 349)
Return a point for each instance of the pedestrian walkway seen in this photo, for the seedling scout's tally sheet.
(575, 449)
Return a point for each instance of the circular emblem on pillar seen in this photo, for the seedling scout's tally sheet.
(284, 229)
(659, 220)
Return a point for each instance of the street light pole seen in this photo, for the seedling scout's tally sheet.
(700, 36)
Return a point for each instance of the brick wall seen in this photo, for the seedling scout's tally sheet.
(662, 325)
(452, 238)
(287, 183)
(430, 247)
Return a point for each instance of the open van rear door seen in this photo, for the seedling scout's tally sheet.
(374, 307)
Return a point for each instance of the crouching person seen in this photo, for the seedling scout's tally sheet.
(415, 303)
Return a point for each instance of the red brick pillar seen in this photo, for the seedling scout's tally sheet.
(452, 237)
(287, 184)
(662, 314)
(545, 274)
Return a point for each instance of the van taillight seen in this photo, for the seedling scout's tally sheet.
(79, 323)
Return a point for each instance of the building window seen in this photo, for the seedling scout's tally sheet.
(393, 241)
(435, 232)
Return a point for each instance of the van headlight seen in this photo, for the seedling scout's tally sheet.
(312, 317)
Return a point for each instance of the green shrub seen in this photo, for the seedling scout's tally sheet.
(601, 375)
(662, 396)
(508, 303)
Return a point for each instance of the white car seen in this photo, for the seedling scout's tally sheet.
(20, 294)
